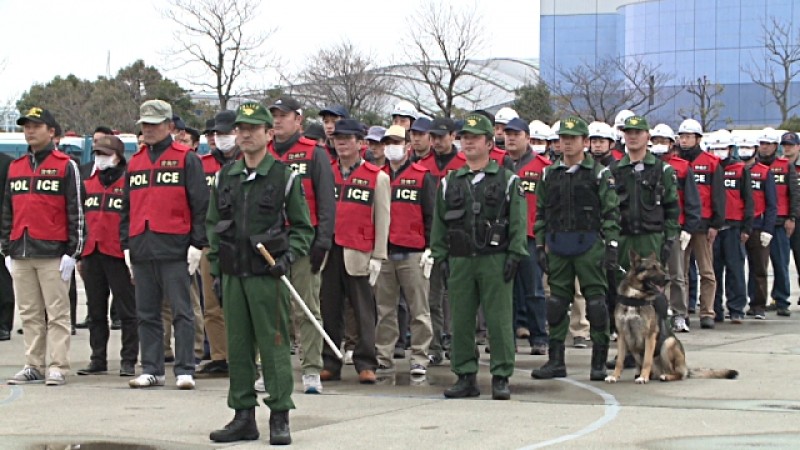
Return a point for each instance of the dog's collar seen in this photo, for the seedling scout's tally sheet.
(629, 301)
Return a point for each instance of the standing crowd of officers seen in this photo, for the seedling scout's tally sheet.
(419, 236)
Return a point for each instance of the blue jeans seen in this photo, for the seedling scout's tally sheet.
(779, 255)
(729, 257)
(529, 292)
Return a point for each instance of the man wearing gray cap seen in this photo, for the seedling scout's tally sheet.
(162, 233)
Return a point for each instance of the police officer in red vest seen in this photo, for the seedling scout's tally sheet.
(162, 232)
(728, 255)
(360, 237)
(103, 262)
(330, 115)
(310, 161)
(41, 234)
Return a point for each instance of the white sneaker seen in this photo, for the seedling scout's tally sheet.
(259, 385)
(185, 382)
(680, 325)
(348, 357)
(27, 375)
(312, 384)
(145, 380)
(55, 378)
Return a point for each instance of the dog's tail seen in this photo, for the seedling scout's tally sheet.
(729, 374)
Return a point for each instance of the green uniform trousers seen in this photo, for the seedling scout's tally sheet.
(588, 267)
(256, 313)
(474, 282)
(307, 285)
(643, 244)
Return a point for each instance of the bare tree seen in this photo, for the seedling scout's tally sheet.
(340, 74)
(220, 37)
(778, 66)
(706, 103)
(599, 91)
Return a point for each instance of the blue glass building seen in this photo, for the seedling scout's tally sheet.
(718, 39)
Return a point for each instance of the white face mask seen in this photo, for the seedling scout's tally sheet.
(720, 153)
(538, 149)
(225, 142)
(746, 153)
(659, 149)
(103, 162)
(394, 152)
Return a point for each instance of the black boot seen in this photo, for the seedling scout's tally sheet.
(599, 355)
(629, 362)
(555, 366)
(500, 389)
(279, 428)
(466, 386)
(242, 428)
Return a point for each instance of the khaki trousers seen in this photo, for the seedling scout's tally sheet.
(705, 268)
(41, 292)
(213, 317)
(676, 288)
(307, 285)
(199, 333)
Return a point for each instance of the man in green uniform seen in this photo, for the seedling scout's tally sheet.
(478, 236)
(577, 227)
(257, 200)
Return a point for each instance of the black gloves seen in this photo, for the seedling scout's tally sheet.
(216, 285)
(282, 265)
(510, 268)
(445, 271)
(666, 251)
(610, 260)
(541, 258)
(317, 257)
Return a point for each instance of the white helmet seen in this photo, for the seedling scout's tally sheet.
(504, 115)
(554, 131)
(690, 126)
(745, 141)
(623, 115)
(602, 130)
(769, 135)
(405, 108)
(663, 130)
(539, 130)
(719, 140)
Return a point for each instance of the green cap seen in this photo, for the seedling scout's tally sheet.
(155, 112)
(477, 124)
(254, 113)
(573, 126)
(636, 123)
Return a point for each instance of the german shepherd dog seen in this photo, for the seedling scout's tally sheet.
(643, 328)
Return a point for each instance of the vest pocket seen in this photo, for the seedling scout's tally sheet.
(275, 241)
(228, 262)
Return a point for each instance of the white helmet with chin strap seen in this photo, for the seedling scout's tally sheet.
(504, 115)
(405, 108)
(602, 130)
(622, 116)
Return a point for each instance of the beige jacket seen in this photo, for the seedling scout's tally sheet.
(357, 263)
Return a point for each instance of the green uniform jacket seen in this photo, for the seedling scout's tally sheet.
(609, 225)
(517, 213)
(301, 233)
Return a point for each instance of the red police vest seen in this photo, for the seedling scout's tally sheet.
(758, 175)
(780, 171)
(301, 157)
(103, 208)
(429, 162)
(354, 227)
(37, 198)
(734, 203)
(529, 175)
(158, 199)
(407, 227)
(497, 154)
(210, 167)
(681, 167)
(704, 167)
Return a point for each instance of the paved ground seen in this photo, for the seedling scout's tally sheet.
(761, 408)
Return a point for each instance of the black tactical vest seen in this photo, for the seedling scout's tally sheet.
(641, 196)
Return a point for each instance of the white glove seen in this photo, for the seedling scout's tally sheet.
(67, 267)
(374, 271)
(193, 259)
(426, 262)
(685, 238)
(765, 238)
(9, 264)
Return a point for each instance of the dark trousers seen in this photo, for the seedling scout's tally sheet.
(794, 244)
(779, 255)
(529, 293)
(103, 274)
(692, 282)
(6, 300)
(337, 286)
(73, 300)
(440, 305)
(757, 263)
(729, 261)
(157, 280)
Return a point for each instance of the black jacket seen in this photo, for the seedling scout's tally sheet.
(28, 247)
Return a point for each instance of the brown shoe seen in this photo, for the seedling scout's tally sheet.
(366, 377)
(327, 375)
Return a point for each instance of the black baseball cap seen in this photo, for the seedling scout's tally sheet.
(287, 104)
(790, 138)
(442, 125)
(224, 121)
(314, 131)
(335, 110)
(209, 126)
(38, 115)
(179, 123)
(348, 127)
(518, 124)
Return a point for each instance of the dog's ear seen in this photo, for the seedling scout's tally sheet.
(633, 256)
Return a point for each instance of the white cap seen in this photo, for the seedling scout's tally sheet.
(619, 120)
(405, 108)
(769, 135)
(602, 130)
(539, 130)
(504, 115)
(663, 130)
(690, 126)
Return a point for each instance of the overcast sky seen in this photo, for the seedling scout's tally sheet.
(45, 38)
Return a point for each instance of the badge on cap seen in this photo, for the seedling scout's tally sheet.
(472, 122)
(570, 124)
(247, 110)
(34, 112)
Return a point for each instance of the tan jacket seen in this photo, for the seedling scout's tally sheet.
(357, 263)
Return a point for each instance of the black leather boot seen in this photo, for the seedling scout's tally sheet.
(466, 386)
(599, 355)
(629, 363)
(500, 389)
(555, 366)
(243, 427)
(279, 428)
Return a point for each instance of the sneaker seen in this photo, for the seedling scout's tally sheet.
(127, 369)
(436, 359)
(55, 378)
(737, 319)
(348, 357)
(383, 368)
(539, 349)
(579, 342)
(707, 323)
(94, 368)
(759, 315)
(399, 353)
(523, 333)
(772, 307)
(680, 325)
(418, 369)
(259, 385)
(185, 382)
(614, 336)
(784, 312)
(312, 384)
(28, 375)
(146, 380)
